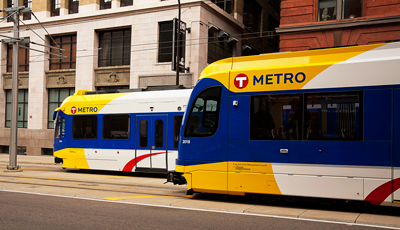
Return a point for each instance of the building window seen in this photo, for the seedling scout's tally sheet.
(105, 4)
(115, 47)
(327, 10)
(84, 127)
(314, 116)
(339, 9)
(68, 43)
(73, 6)
(116, 127)
(273, 38)
(22, 112)
(226, 5)
(27, 4)
(165, 41)
(23, 64)
(352, 9)
(126, 3)
(56, 97)
(55, 7)
(252, 15)
(9, 5)
(218, 47)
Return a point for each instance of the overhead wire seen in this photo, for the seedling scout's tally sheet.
(46, 31)
(155, 43)
(8, 16)
(151, 49)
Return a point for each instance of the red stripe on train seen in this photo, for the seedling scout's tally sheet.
(380, 194)
(131, 164)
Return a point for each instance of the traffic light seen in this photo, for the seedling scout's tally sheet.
(181, 43)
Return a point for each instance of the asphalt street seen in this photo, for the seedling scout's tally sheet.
(28, 211)
(44, 195)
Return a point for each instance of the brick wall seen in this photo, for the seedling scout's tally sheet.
(380, 22)
(381, 8)
(297, 12)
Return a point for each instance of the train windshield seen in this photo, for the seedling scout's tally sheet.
(204, 114)
(59, 129)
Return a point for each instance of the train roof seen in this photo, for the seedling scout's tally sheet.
(354, 66)
(133, 102)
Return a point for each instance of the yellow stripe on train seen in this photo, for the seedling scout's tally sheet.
(278, 71)
(78, 103)
(73, 158)
(242, 177)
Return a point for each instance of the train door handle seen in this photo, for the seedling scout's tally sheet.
(284, 151)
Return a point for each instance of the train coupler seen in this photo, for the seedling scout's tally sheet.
(176, 178)
(58, 160)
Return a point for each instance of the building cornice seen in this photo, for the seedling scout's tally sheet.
(338, 25)
(226, 17)
(99, 14)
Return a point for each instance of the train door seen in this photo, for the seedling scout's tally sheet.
(396, 146)
(143, 132)
(158, 140)
(151, 142)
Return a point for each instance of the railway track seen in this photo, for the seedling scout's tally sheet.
(53, 177)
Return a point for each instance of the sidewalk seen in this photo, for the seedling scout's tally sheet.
(44, 159)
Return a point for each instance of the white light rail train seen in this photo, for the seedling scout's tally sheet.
(131, 131)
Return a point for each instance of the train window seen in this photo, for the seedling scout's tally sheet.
(317, 116)
(116, 126)
(177, 127)
(144, 127)
(84, 127)
(158, 133)
(334, 116)
(58, 128)
(63, 127)
(204, 114)
(276, 117)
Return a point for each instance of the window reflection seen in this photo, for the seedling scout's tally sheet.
(352, 8)
(143, 133)
(326, 116)
(327, 10)
(158, 133)
(116, 126)
(204, 114)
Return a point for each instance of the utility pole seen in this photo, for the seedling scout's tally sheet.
(14, 91)
(178, 43)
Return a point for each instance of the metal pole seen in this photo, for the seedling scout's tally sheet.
(178, 43)
(14, 91)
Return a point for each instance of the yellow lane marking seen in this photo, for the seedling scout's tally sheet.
(52, 178)
(19, 179)
(56, 178)
(134, 197)
(127, 197)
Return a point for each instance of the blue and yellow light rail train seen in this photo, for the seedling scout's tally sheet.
(135, 131)
(321, 123)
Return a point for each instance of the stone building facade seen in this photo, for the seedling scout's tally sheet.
(112, 44)
(310, 24)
